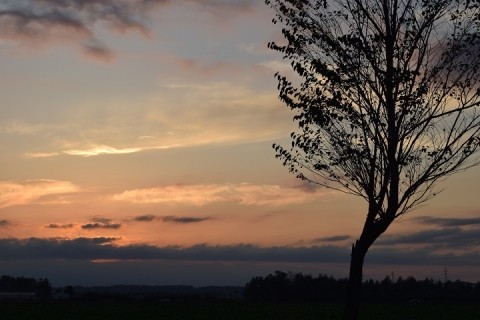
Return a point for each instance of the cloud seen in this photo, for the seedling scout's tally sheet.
(145, 218)
(38, 21)
(245, 194)
(35, 191)
(23, 128)
(79, 22)
(98, 150)
(101, 150)
(445, 238)
(4, 223)
(92, 226)
(175, 219)
(229, 113)
(101, 219)
(59, 226)
(333, 238)
(447, 222)
(101, 223)
(106, 249)
(171, 219)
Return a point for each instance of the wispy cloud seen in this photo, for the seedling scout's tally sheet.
(101, 223)
(94, 249)
(100, 150)
(4, 223)
(23, 128)
(145, 218)
(332, 238)
(171, 219)
(59, 226)
(184, 220)
(437, 239)
(97, 150)
(246, 194)
(104, 248)
(39, 22)
(35, 191)
(93, 226)
(36, 22)
(447, 222)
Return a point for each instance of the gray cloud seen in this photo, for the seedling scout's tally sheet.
(447, 222)
(445, 238)
(101, 223)
(4, 223)
(176, 219)
(170, 219)
(332, 238)
(105, 248)
(59, 226)
(145, 218)
(101, 220)
(92, 226)
(40, 21)
(77, 21)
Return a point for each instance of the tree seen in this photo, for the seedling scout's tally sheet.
(387, 101)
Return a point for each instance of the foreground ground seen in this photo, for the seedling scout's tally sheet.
(181, 310)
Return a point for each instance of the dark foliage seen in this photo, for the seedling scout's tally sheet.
(387, 102)
(283, 287)
(40, 287)
(289, 287)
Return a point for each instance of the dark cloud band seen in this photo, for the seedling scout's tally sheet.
(92, 226)
(106, 248)
(59, 226)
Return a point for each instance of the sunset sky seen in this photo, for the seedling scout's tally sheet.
(135, 140)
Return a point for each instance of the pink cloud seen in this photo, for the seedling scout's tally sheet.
(199, 195)
(33, 191)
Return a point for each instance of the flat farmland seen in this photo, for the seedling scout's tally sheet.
(206, 310)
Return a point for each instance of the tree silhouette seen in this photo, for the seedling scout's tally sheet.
(386, 99)
(283, 287)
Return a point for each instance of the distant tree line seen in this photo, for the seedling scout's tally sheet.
(40, 287)
(290, 287)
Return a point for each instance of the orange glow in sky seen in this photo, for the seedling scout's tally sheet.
(144, 136)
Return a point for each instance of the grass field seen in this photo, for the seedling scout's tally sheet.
(226, 310)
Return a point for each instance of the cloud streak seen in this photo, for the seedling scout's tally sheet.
(38, 21)
(332, 238)
(60, 226)
(171, 219)
(183, 220)
(4, 223)
(447, 222)
(101, 223)
(199, 195)
(35, 22)
(98, 150)
(34, 191)
(93, 226)
(105, 248)
(102, 248)
(145, 218)
(445, 238)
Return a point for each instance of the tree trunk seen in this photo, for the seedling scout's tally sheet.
(352, 304)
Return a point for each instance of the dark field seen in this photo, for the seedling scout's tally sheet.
(182, 310)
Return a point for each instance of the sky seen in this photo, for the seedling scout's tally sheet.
(136, 148)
